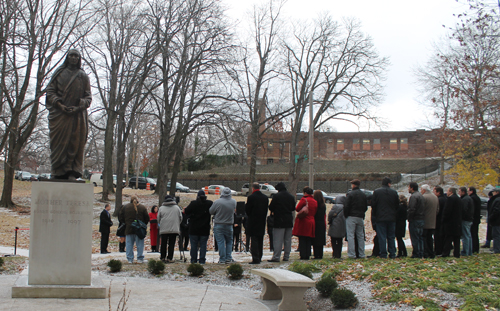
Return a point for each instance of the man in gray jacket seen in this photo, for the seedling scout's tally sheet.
(169, 222)
(431, 209)
(223, 210)
(416, 220)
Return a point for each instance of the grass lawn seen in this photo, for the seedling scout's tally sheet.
(475, 280)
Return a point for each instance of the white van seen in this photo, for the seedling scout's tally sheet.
(96, 180)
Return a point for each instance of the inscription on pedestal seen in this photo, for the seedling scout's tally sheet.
(61, 234)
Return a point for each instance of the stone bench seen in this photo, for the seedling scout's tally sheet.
(285, 285)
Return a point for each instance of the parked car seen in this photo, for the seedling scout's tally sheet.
(25, 176)
(44, 176)
(211, 189)
(96, 180)
(17, 175)
(179, 187)
(484, 203)
(328, 198)
(264, 188)
(142, 182)
(34, 177)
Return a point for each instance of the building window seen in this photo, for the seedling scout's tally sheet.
(393, 144)
(270, 144)
(355, 144)
(376, 144)
(330, 140)
(366, 144)
(428, 144)
(270, 161)
(404, 143)
(340, 144)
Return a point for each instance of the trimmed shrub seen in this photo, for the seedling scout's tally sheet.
(325, 286)
(303, 268)
(156, 266)
(343, 298)
(331, 273)
(195, 269)
(235, 271)
(115, 265)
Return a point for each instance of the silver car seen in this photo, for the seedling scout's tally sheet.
(264, 188)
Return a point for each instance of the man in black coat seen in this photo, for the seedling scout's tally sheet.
(494, 220)
(438, 233)
(355, 208)
(385, 203)
(467, 219)
(282, 206)
(105, 224)
(416, 220)
(256, 210)
(477, 219)
(452, 223)
(198, 214)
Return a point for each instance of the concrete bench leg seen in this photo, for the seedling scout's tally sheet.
(270, 291)
(293, 298)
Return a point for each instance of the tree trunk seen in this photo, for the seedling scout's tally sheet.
(120, 162)
(8, 181)
(253, 158)
(107, 173)
(163, 159)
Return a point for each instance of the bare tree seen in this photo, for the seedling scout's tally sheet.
(120, 56)
(254, 72)
(33, 33)
(339, 65)
(193, 40)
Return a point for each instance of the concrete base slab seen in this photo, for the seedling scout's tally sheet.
(95, 290)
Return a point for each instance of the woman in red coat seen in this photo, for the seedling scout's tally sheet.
(153, 228)
(304, 226)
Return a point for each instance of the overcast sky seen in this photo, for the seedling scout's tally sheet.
(401, 30)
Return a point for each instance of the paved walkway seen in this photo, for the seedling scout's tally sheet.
(145, 294)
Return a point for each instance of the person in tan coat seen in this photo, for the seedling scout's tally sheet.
(431, 209)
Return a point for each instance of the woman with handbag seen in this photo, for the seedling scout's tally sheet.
(304, 227)
(129, 214)
(153, 228)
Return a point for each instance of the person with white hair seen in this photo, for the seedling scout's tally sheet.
(431, 209)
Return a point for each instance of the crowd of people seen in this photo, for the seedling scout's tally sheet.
(437, 223)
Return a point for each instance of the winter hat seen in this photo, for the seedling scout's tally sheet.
(168, 198)
(201, 193)
(280, 186)
(356, 182)
(226, 192)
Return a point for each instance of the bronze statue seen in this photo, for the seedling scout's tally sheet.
(68, 97)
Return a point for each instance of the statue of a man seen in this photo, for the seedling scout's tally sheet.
(68, 98)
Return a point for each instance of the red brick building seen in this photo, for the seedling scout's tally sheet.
(275, 147)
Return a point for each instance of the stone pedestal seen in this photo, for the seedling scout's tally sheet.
(60, 242)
